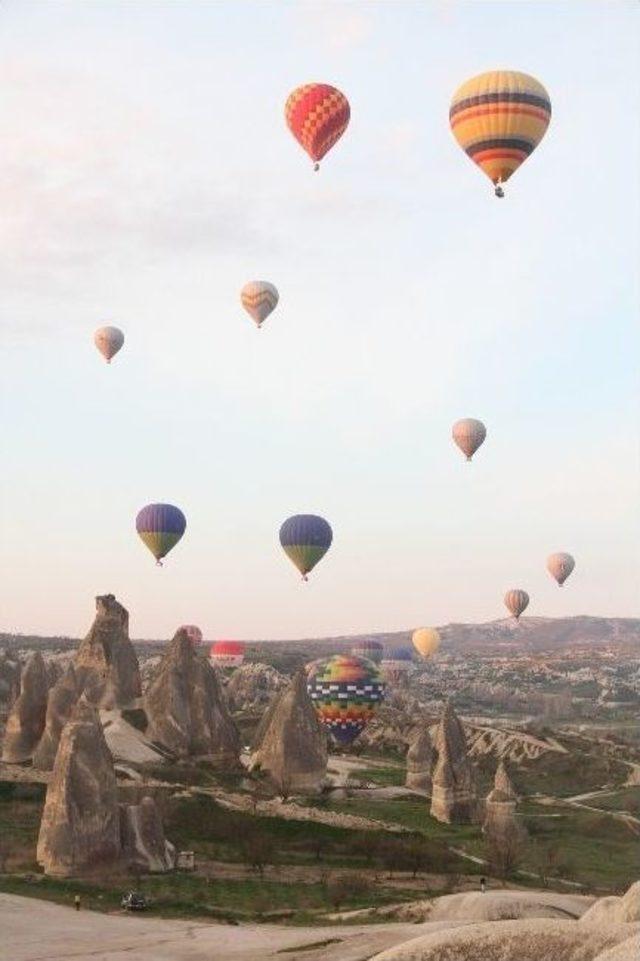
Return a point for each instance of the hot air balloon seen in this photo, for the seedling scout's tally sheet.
(469, 434)
(396, 664)
(108, 340)
(160, 526)
(426, 641)
(259, 298)
(305, 539)
(560, 566)
(368, 648)
(345, 691)
(317, 115)
(227, 653)
(499, 118)
(516, 602)
(193, 633)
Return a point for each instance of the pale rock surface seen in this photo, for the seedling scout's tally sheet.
(80, 827)
(186, 707)
(126, 743)
(106, 664)
(62, 699)
(420, 761)
(624, 910)
(539, 939)
(292, 750)
(26, 720)
(453, 796)
(628, 950)
(500, 807)
(253, 686)
(144, 845)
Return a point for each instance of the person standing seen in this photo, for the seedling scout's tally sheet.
(76, 901)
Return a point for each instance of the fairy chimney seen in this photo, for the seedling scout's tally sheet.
(26, 720)
(106, 664)
(292, 749)
(453, 798)
(63, 697)
(419, 762)
(186, 707)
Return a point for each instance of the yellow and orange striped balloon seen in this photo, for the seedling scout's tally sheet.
(259, 298)
(499, 118)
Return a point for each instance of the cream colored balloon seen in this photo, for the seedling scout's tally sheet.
(426, 641)
(560, 566)
(108, 340)
(259, 298)
(469, 434)
(516, 602)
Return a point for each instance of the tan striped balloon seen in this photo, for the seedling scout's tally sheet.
(259, 298)
(468, 434)
(560, 566)
(516, 601)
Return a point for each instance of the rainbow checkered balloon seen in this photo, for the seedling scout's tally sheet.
(345, 691)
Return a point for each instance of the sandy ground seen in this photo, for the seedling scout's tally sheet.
(33, 930)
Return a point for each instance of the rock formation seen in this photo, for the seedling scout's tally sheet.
(534, 939)
(80, 827)
(617, 910)
(26, 721)
(500, 807)
(106, 663)
(453, 796)
(419, 762)
(62, 700)
(186, 707)
(292, 749)
(144, 846)
(252, 686)
(10, 670)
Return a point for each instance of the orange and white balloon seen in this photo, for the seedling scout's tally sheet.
(426, 641)
(516, 602)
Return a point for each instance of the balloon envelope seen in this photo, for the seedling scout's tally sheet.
(259, 298)
(469, 434)
(193, 633)
(160, 527)
(426, 641)
(345, 691)
(560, 566)
(317, 115)
(227, 653)
(368, 648)
(499, 118)
(516, 601)
(108, 340)
(305, 539)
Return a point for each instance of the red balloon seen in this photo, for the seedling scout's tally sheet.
(317, 116)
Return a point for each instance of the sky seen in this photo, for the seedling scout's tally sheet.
(146, 174)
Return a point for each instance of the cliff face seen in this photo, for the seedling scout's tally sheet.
(80, 827)
(186, 707)
(26, 720)
(106, 664)
(292, 748)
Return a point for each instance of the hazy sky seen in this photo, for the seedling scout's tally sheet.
(146, 173)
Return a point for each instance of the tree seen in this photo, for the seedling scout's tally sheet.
(344, 887)
(258, 850)
(505, 848)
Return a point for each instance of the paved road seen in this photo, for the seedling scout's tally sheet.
(34, 930)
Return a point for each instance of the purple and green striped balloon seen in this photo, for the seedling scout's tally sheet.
(160, 527)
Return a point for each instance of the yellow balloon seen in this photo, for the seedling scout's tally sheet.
(426, 641)
(499, 118)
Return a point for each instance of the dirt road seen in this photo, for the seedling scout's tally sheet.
(34, 930)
